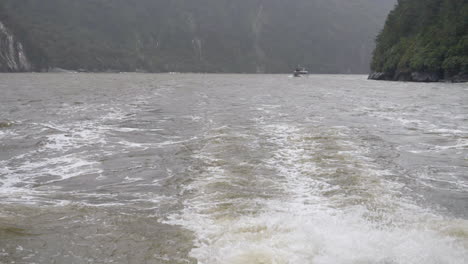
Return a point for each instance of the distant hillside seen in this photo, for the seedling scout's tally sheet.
(326, 36)
(424, 40)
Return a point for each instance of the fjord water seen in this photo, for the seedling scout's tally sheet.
(198, 168)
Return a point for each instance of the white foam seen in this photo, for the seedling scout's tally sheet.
(449, 181)
(300, 235)
(303, 223)
(128, 179)
(62, 168)
(74, 135)
(461, 144)
(195, 118)
(132, 129)
(129, 144)
(447, 131)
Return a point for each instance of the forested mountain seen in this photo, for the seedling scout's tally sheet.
(424, 40)
(327, 36)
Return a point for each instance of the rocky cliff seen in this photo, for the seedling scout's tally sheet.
(12, 55)
(423, 41)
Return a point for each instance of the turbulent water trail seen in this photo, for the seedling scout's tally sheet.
(315, 196)
(220, 169)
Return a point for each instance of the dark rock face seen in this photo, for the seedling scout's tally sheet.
(403, 76)
(12, 55)
(406, 76)
(379, 76)
(424, 77)
(459, 78)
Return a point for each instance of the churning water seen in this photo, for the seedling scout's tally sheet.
(247, 169)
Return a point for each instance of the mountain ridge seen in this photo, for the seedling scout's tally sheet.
(334, 36)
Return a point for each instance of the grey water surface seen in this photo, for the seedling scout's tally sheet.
(200, 168)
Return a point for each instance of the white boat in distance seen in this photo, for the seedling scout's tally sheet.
(300, 71)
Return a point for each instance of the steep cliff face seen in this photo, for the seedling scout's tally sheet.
(326, 36)
(424, 41)
(12, 55)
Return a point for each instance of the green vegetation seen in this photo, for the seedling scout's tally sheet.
(326, 36)
(429, 36)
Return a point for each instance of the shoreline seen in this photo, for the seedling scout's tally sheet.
(428, 77)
